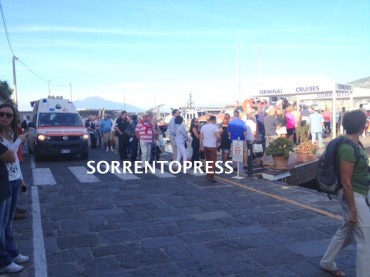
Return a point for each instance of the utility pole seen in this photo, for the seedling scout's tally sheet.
(70, 90)
(239, 95)
(15, 82)
(124, 100)
(49, 86)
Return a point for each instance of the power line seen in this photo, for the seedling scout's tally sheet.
(45, 79)
(33, 72)
(6, 30)
(38, 75)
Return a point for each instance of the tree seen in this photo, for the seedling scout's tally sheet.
(5, 92)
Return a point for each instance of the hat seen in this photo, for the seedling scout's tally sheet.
(145, 114)
(316, 108)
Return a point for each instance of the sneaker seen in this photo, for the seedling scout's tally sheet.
(13, 267)
(111, 150)
(21, 259)
(107, 150)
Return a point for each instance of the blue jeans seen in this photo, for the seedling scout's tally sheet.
(8, 251)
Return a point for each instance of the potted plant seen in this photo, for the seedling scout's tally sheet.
(306, 151)
(280, 150)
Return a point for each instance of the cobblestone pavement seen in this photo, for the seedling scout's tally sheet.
(166, 225)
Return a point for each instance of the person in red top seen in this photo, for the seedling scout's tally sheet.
(327, 120)
(144, 133)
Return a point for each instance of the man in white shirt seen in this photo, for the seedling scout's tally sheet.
(316, 121)
(209, 140)
(172, 133)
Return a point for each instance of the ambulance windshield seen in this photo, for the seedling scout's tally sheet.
(59, 119)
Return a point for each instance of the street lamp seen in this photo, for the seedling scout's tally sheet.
(49, 86)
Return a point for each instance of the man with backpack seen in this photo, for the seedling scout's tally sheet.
(353, 189)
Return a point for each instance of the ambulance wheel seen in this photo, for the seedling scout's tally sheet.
(85, 156)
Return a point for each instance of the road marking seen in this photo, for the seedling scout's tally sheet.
(42, 176)
(80, 172)
(33, 164)
(198, 173)
(317, 210)
(39, 257)
(123, 176)
(163, 174)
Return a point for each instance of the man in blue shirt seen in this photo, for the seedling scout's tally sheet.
(237, 130)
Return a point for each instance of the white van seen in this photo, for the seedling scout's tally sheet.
(56, 128)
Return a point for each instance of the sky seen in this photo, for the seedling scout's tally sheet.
(146, 53)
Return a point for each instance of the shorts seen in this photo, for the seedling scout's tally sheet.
(290, 132)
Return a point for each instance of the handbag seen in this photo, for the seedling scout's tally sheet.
(257, 148)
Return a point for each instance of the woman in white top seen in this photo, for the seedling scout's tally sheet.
(180, 139)
(9, 255)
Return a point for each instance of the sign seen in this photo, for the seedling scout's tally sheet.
(345, 87)
(304, 88)
(237, 151)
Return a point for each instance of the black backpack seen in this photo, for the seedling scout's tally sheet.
(327, 174)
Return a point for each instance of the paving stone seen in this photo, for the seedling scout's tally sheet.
(195, 225)
(265, 239)
(275, 255)
(174, 218)
(86, 240)
(199, 250)
(210, 215)
(160, 270)
(63, 270)
(281, 271)
(160, 242)
(159, 230)
(116, 249)
(199, 268)
(119, 236)
(178, 253)
(99, 265)
(141, 258)
(69, 255)
(227, 246)
(310, 249)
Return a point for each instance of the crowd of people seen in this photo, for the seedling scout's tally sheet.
(131, 137)
(127, 135)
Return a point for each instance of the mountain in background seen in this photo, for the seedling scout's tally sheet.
(100, 103)
(361, 83)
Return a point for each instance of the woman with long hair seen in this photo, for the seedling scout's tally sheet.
(194, 132)
(9, 255)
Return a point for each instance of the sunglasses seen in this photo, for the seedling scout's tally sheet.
(7, 115)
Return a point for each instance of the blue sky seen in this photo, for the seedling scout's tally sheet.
(157, 52)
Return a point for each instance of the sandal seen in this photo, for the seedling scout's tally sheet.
(335, 272)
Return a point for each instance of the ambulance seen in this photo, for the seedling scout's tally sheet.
(56, 129)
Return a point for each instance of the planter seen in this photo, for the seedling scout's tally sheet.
(304, 157)
(280, 162)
